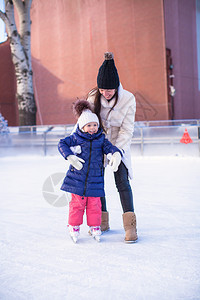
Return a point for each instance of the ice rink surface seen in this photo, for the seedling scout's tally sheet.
(38, 260)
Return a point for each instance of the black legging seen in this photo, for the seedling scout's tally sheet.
(124, 189)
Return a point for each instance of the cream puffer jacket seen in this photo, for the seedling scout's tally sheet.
(119, 123)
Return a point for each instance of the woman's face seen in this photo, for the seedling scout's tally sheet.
(108, 94)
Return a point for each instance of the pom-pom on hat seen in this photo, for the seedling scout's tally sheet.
(83, 112)
(107, 77)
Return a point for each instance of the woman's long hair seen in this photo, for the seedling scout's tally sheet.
(97, 103)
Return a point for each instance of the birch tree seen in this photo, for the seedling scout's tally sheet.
(20, 44)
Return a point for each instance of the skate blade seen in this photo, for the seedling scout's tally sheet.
(97, 238)
(74, 239)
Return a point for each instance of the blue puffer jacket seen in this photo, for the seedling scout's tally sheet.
(89, 181)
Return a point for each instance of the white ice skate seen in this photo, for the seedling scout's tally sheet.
(95, 232)
(74, 232)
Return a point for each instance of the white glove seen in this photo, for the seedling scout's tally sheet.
(115, 161)
(75, 161)
(76, 149)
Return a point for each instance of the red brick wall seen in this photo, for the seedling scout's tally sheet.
(68, 42)
(7, 86)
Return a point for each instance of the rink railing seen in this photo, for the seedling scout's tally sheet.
(149, 138)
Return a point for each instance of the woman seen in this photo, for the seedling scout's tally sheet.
(116, 108)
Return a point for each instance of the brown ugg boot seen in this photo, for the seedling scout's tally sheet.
(104, 221)
(129, 220)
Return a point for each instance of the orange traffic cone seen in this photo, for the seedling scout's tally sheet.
(186, 139)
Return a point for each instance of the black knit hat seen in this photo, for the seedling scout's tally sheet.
(108, 77)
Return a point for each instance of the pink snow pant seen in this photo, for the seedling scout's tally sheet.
(77, 207)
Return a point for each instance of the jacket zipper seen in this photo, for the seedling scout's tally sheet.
(88, 169)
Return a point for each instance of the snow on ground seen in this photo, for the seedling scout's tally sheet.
(38, 260)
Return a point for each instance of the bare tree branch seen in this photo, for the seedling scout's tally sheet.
(3, 16)
(10, 18)
(19, 5)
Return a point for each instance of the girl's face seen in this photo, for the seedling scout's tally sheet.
(91, 127)
(108, 94)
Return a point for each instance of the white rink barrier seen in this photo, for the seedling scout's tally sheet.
(152, 138)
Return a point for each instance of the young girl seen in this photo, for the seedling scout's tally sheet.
(116, 108)
(85, 177)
